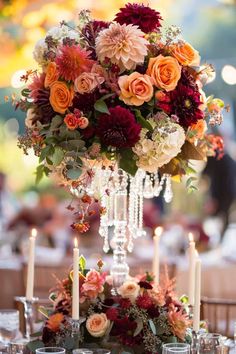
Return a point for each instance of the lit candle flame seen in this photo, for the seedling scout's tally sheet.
(76, 242)
(34, 232)
(190, 237)
(158, 231)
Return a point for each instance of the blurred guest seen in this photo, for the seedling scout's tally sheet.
(222, 179)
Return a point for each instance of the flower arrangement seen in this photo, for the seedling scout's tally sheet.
(141, 317)
(123, 92)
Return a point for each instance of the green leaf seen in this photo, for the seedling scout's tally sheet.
(56, 122)
(57, 156)
(39, 173)
(36, 334)
(25, 92)
(152, 326)
(127, 162)
(101, 106)
(35, 345)
(43, 311)
(142, 121)
(78, 144)
(48, 150)
(74, 173)
(139, 327)
(82, 263)
(184, 299)
(171, 339)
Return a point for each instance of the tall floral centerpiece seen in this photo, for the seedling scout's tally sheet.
(115, 110)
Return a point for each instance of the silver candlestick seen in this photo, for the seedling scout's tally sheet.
(28, 314)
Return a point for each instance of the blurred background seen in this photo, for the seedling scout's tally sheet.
(209, 213)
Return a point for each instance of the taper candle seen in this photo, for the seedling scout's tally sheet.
(156, 257)
(197, 296)
(75, 287)
(191, 272)
(30, 270)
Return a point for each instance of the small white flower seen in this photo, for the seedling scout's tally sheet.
(39, 50)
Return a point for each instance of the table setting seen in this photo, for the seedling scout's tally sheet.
(115, 113)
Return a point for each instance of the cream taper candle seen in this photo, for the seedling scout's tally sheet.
(156, 257)
(191, 271)
(75, 287)
(197, 296)
(30, 270)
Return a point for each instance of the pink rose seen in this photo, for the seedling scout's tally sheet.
(87, 82)
(136, 88)
(93, 284)
(97, 324)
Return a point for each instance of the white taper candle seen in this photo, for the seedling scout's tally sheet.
(191, 272)
(197, 296)
(30, 270)
(75, 287)
(156, 257)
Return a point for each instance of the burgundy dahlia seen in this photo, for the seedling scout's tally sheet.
(112, 313)
(144, 301)
(118, 128)
(145, 284)
(184, 102)
(140, 15)
(43, 109)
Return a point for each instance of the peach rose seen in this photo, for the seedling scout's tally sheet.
(135, 88)
(129, 290)
(186, 54)
(165, 72)
(87, 82)
(97, 324)
(52, 74)
(60, 96)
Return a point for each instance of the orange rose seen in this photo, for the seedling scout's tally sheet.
(165, 72)
(51, 74)
(97, 324)
(135, 88)
(60, 96)
(199, 129)
(186, 54)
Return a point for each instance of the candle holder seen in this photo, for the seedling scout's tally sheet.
(75, 326)
(195, 345)
(28, 314)
(190, 311)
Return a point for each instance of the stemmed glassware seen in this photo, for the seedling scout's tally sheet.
(9, 326)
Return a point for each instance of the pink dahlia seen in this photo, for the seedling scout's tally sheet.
(147, 19)
(118, 128)
(123, 45)
(73, 61)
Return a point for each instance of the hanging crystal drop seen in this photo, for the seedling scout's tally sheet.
(168, 194)
(156, 189)
(148, 187)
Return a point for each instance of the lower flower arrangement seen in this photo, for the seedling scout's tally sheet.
(138, 319)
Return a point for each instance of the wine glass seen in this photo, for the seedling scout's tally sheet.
(180, 348)
(82, 351)
(209, 342)
(9, 325)
(47, 350)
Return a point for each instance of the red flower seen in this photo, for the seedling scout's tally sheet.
(125, 303)
(145, 284)
(81, 227)
(112, 313)
(73, 61)
(144, 301)
(71, 121)
(90, 32)
(140, 15)
(118, 128)
(183, 102)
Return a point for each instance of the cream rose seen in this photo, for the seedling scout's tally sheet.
(97, 324)
(129, 290)
(87, 82)
(165, 72)
(135, 88)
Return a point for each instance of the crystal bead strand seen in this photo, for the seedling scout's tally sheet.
(131, 214)
(104, 224)
(168, 194)
(148, 187)
(156, 190)
(120, 268)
